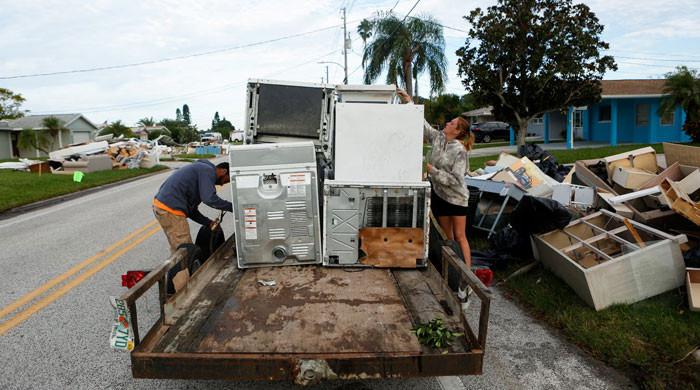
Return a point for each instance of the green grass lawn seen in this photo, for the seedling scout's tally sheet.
(571, 156)
(490, 145)
(193, 156)
(646, 340)
(20, 188)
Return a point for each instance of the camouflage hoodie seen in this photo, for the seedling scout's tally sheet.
(450, 165)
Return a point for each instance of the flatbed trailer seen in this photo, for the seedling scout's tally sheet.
(315, 323)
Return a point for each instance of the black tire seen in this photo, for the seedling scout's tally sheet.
(486, 139)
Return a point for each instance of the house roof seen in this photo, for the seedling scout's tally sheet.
(35, 121)
(630, 88)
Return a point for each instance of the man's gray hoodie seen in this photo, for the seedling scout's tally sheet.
(191, 185)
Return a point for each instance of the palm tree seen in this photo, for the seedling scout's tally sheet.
(364, 29)
(406, 49)
(682, 88)
(147, 122)
(117, 128)
(41, 139)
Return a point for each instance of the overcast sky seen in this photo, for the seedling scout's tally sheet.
(648, 38)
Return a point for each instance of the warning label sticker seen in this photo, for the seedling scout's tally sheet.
(250, 223)
(296, 183)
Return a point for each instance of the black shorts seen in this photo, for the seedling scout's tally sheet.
(443, 208)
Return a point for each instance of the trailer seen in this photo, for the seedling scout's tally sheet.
(306, 324)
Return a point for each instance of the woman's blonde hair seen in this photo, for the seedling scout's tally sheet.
(466, 136)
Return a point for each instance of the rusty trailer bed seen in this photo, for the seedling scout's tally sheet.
(316, 323)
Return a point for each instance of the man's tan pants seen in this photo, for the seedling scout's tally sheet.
(175, 227)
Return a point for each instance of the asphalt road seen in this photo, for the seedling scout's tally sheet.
(54, 332)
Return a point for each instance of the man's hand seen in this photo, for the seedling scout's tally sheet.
(403, 96)
(213, 225)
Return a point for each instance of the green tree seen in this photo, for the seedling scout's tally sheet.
(186, 114)
(10, 104)
(400, 46)
(442, 108)
(117, 128)
(42, 139)
(225, 127)
(682, 88)
(153, 134)
(527, 57)
(178, 114)
(216, 120)
(364, 29)
(147, 121)
(180, 131)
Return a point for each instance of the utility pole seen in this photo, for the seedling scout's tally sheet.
(345, 46)
(327, 75)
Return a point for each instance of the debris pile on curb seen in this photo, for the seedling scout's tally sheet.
(618, 229)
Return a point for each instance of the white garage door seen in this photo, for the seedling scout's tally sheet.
(81, 137)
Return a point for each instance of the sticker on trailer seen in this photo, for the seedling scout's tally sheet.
(296, 183)
(250, 221)
(122, 336)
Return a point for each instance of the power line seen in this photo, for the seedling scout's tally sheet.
(656, 59)
(167, 59)
(656, 53)
(193, 94)
(445, 26)
(643, 64)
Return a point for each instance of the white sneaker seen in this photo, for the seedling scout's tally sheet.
(462, 293)
(463, 296)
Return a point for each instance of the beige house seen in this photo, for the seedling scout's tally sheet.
(78, 130)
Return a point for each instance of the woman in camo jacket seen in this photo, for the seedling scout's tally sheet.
(448, 163)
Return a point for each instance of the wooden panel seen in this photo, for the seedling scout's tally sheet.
(673, 172)
(693, 286)
(683, 154)
(311, 310)
(564, 268)
(392, 247)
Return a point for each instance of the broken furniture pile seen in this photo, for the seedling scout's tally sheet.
(105, 154)
(633, 226)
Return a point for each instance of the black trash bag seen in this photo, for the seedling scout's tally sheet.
(509, 242)
(492, 259)
(534, 215)
(194, 261)
(209, 240)
(692, 258)
(545, 161)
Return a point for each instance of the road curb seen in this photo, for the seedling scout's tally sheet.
(19, 210)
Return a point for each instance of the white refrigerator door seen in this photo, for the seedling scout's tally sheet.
(379, 143)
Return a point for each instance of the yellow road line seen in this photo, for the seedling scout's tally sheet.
(47, 300)
(75, 269)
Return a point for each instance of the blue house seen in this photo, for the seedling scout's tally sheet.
(627, 113)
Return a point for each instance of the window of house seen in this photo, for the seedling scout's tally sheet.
(642, 115)
(668, 119)
(604, 113)
(537, 120)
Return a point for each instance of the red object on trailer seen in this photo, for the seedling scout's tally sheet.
(130, 278)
